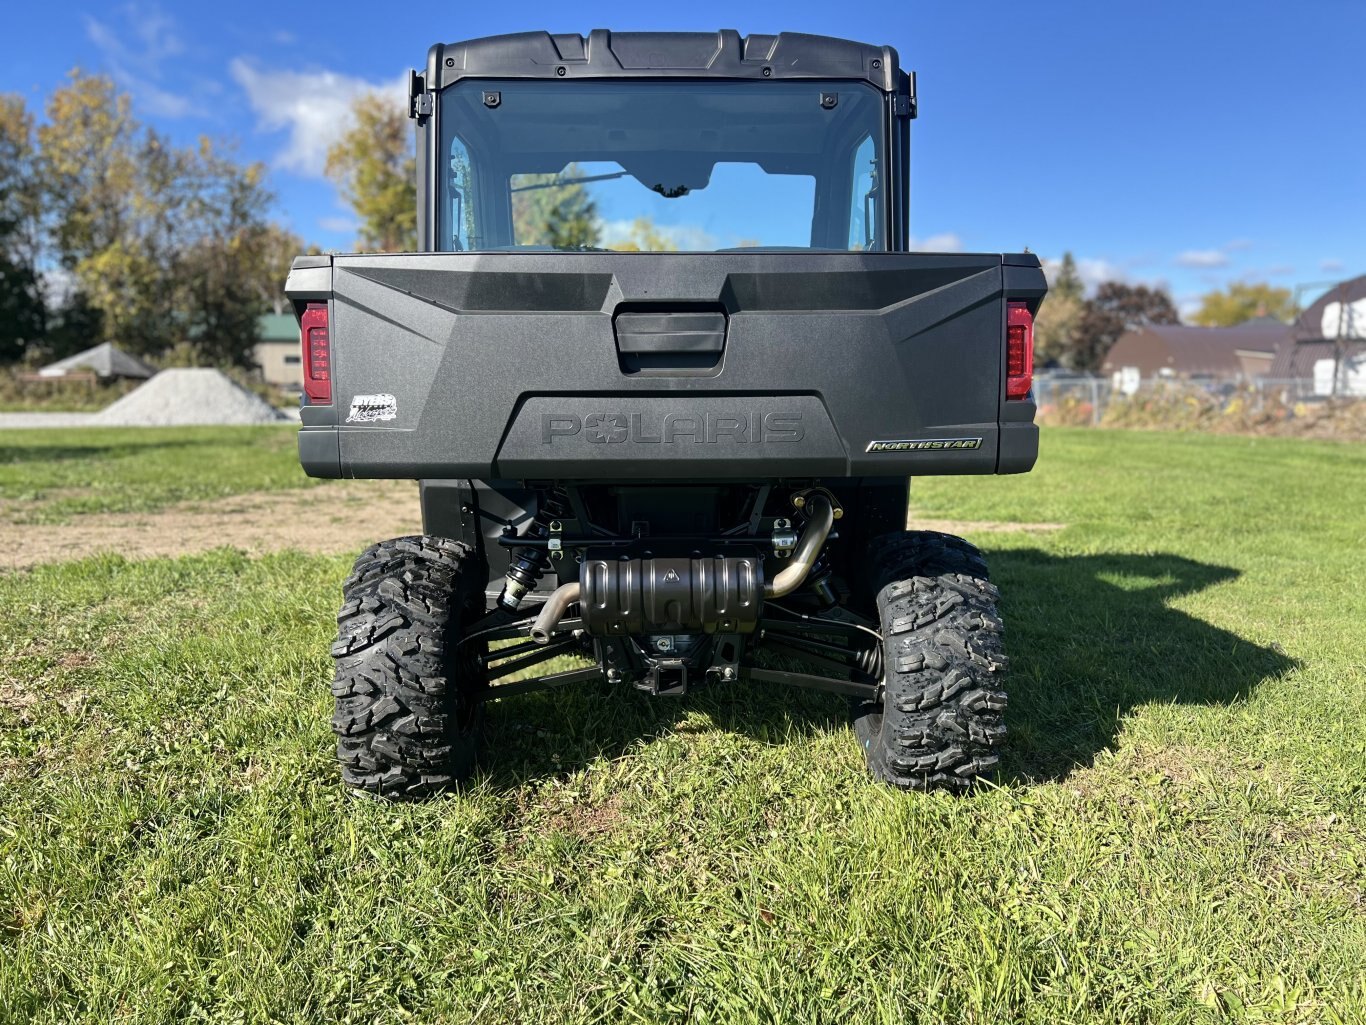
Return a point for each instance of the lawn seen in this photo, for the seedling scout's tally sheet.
(54, 474)
(1178, 833)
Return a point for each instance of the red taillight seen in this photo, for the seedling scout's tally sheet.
(1019, 350)
(317, 354)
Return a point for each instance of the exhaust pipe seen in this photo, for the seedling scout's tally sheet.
(553, 611)
(820, 519)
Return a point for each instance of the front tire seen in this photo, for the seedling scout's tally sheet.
(408, 714)
(940, 721)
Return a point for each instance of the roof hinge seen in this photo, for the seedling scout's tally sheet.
(419, 100)
(904, 105)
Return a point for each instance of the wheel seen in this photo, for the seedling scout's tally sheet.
(408, 714)
(939, 722)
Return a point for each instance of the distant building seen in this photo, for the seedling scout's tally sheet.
(1328, 337)
(1338, 317)
(1247, 351)
(103, 361)
(277, 351)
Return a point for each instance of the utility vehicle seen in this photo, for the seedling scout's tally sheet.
(663, 367)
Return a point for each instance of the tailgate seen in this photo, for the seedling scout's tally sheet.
(666, 366)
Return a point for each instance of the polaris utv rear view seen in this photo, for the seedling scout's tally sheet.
(663, 367)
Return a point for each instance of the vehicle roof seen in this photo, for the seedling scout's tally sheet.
(721, 54)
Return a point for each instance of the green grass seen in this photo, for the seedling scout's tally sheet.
(1178, 834)
(51, 475)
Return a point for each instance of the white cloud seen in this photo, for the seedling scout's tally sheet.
(137, 65)
(1331, 266)
(1213, 258)
(340, 225)
(1187, 306)
(1095, 271)
(314, 107)
(944, 242)
(1203, 258)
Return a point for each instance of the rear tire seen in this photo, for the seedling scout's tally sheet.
(940, 721)
(408, 714)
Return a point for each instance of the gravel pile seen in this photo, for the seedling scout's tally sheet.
(178, 398)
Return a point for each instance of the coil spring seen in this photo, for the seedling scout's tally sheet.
(528, 564)
(870, 660)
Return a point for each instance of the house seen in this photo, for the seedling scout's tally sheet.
(1245, 352)
(1333, 328)
(105, 362)
(277, 351)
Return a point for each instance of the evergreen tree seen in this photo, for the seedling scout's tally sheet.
(1055, 328)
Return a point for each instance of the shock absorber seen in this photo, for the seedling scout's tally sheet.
(818, 582)
(527, 564)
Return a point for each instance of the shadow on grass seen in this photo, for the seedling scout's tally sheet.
(123, 449)
(543, 734)
(1090, 638)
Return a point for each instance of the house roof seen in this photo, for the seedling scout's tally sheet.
(105, 360)
(1195, 350)
(277, 327)
(1297, 357)
(1339, 311)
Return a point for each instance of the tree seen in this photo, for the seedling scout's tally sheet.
(89, 165)
(22, 306)
(226, 268)
(279, 248)
(1242, 301)
(1055, 328)
(645, 237)
(107, 188)
(73, 324)
(169, 246)
(1114, 309)
(547, 214)
(375, 166)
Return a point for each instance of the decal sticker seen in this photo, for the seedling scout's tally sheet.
(369, 408)
(924, 445)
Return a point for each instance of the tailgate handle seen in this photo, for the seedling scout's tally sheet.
(656, 334)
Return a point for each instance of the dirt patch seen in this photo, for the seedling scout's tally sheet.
(963, 528)
(588, 820)
(1181, 767)
(336, 517)
(13, 698)
(341, 516)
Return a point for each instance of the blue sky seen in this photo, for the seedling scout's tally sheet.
(1184, 143)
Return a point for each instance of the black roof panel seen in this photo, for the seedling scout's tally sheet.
(723, 54)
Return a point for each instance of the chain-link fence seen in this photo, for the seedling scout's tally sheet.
(1081, 399)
